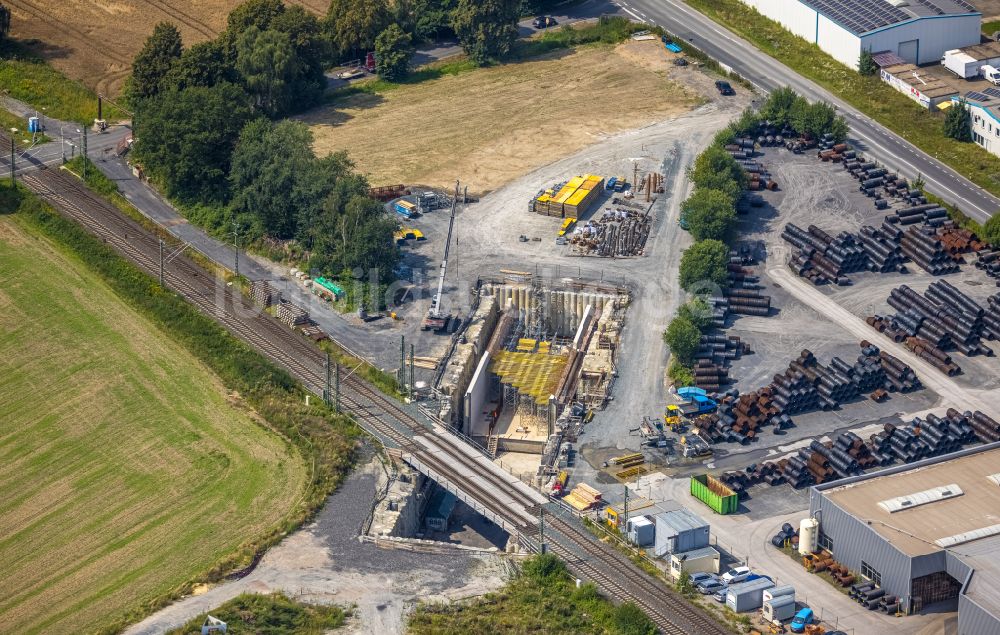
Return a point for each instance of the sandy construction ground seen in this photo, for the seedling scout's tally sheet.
(94, 41)
(490, 126)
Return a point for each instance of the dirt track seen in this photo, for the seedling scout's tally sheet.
(94, 41)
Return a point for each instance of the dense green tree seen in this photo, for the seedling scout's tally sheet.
(258, 13)
(4, 21)
(353, 231)
(958, 123)
(487, 29)
(353, 26)
(683, 338)
(269, 67)
(270, 168)
(703, 265)
(777, 109)
(431, 19)
(698, 312)
(203, 64)
(153, 62)
(866, 63)
(393, 53)
(818, 119)
(186, 138)
(312, 49)
(716, 169)
(709, 214)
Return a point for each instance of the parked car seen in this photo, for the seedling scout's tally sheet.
(736, 574)
(702, 576)
(544, 22)
(711, 587)
(720, 595)
(802, 619)
(724, 88)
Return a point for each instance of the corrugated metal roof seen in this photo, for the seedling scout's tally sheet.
(681, 520)
(749, 587)
(695, 554)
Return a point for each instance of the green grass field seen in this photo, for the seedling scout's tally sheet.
(125, 469)
(25, 76)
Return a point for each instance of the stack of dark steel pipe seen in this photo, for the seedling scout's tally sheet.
(709, 376)
(823, 258)
(898, 376)
(944, 316)
(926, 251)
(884, 253)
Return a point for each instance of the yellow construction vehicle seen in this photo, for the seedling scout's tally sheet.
(672, 416)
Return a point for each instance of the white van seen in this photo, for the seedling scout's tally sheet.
(991, 74)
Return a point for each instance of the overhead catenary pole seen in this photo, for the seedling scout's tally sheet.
(84, 151)
(236, 246)
(402, 362)
(412, 380)
(541, 528)
(336, 388)
(12, 161)
(326, 373)
(161, 262)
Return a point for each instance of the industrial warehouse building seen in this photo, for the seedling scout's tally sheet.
(927, 532)
(918, 31)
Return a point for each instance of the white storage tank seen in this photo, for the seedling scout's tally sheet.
(808, 536)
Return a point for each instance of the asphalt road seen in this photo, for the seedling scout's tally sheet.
(767, 73)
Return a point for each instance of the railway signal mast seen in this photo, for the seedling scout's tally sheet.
(437, 319)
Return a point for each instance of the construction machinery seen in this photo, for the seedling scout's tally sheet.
(672, 416)
(693, 445)
(437, 319)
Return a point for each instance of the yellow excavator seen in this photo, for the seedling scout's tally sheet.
(672, 416)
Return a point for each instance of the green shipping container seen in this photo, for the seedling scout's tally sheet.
(715, 494)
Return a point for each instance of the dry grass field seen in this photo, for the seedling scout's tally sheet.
(488, 126)
(125, 470)
(94, 41)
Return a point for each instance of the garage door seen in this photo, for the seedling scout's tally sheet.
(908, 50)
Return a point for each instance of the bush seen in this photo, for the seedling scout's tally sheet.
(703, 265)
(683, 338)
(543, 567)
(630, 620)
(680, 374)
(991, 230)
(275, 614)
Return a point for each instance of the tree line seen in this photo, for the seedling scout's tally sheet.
(709, 214)
(208, 130)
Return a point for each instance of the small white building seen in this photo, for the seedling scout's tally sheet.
(984, 111)
(919, 31)
(703, 560)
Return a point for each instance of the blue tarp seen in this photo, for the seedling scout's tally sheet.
(690, 392)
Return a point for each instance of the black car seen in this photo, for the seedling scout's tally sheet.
(544, 21)
(724, 88)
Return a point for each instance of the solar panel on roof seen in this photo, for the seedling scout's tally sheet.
(993, 92)
(862, 16)
(977, 96)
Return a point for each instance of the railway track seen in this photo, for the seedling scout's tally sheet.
(445, 454)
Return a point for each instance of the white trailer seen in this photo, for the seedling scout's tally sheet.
(961, 63)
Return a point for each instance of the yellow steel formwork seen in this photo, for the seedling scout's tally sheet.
(535, 374)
